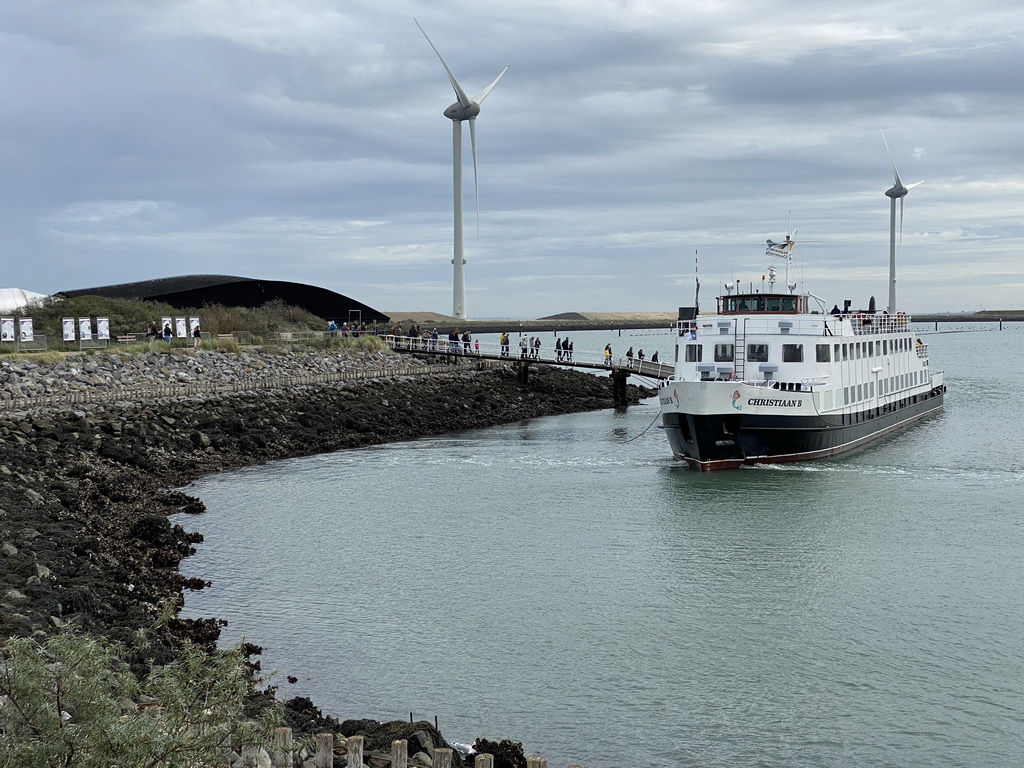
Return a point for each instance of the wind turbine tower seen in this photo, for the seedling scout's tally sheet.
(463, 110)
(897, 192)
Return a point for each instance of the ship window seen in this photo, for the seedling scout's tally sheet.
(870, 349)
(757, 353)
(730, 304)
(828, 400)
(871, 389)
(789, 303)
(835, 352)
(844, 352)
(746, 304)
(878, 347)
(885, 346)
(792, 353)
(860, 392)
(723, 353)
(772, 304)
(846, 395)
(823, 353)
(859, 349)
(694, 353)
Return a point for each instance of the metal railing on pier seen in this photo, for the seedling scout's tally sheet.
(515, 352)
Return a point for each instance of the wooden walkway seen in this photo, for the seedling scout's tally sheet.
(544, 356)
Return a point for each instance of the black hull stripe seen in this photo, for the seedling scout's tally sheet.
(842, 448)
(770, 439)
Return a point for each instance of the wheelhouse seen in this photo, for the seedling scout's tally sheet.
(763, 303)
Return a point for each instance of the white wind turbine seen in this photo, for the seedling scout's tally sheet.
(897, 191)
(462, 110)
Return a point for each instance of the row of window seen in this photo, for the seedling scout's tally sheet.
(732, 304)
(794, 353)
(756, 353)
(859, 392)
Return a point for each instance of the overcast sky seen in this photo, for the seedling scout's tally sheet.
(304, 140)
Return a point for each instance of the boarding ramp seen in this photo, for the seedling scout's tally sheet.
(513, 353)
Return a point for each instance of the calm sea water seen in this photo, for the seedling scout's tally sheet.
(564, 582)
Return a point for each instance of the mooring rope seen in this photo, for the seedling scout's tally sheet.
(630, 440)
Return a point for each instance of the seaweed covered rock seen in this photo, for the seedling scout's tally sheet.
(507, 754)
(422, 736)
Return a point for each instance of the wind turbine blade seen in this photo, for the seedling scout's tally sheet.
(479, 98)
(916, 184)
(476, 183)
(461, 94)
(895, 173)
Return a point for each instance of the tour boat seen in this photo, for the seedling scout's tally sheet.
(778, 377)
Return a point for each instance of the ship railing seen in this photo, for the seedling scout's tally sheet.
(861, 323)
(864, 323)
(768, 325)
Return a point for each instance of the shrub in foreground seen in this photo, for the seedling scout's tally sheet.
(75, 701)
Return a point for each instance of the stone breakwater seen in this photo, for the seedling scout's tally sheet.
(25, 384)
(85, 487)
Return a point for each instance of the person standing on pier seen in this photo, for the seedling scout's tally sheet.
(608, 355)
(522, 347)
(629, 357)
(567, 348)
(558, 350)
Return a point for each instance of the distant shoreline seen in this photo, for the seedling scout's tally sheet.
(602, 321)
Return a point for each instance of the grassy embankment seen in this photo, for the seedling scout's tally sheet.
(127, 316)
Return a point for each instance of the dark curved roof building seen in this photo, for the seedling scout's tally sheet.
(197, 290)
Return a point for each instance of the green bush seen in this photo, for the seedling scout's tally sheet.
(74, 701)
(133, 316)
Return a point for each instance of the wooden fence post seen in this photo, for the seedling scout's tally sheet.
(536, 762)
(399, 753)
(484, 761)
(325, 751)
(355, 751)
(282, 748)
(442, 758)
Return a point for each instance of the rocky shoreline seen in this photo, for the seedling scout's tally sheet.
(85, 489)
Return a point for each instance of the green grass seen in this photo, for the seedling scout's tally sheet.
(133, 316)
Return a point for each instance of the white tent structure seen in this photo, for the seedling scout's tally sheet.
(15, 299)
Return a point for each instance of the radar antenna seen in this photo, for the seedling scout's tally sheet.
(784, 251)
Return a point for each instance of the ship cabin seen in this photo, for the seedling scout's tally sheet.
(762, 303)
